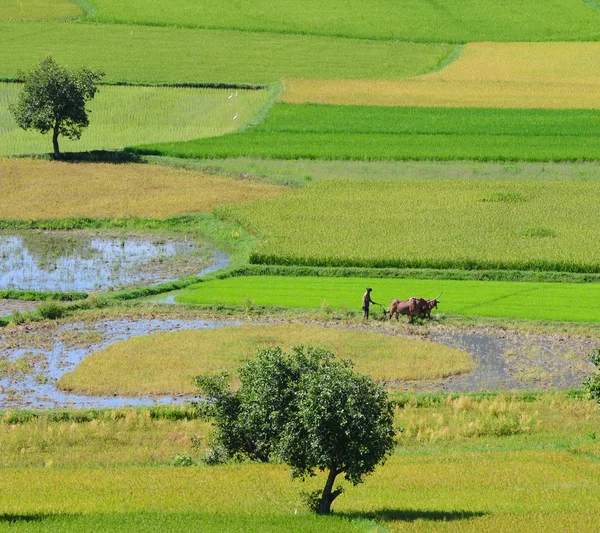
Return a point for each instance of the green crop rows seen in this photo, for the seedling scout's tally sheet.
(409, 20)
(380, 133)
(526, 301)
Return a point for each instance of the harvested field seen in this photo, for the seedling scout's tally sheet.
(52, 190)
(505, 75)
(124, 115)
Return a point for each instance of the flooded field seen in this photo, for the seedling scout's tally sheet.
(85, 261)
(34, 357)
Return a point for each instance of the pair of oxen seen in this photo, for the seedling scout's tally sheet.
(413, 307)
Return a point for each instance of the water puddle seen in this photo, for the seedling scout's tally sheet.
(47, 360)
(84, 261)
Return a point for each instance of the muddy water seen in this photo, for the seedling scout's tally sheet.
(83, 261)
(505, 361)
(68, 346)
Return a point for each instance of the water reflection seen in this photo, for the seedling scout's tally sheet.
(67, 261)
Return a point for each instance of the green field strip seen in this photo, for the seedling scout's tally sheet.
(410, 20)
(404, 133)
(175, 55)
(528, 301)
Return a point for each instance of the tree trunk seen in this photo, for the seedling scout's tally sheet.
(328, 493)
(55, 140)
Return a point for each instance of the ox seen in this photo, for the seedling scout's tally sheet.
(413, 307)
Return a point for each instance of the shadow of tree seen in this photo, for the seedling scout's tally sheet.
(410, 515)
(102, 156)
(8, 517)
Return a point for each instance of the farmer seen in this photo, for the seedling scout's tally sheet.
(366, 301)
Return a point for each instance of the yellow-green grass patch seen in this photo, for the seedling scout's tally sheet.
(47, 189)
(165, 363)
(120, 116)
(536, 491)
(507, 75)
(26, 10)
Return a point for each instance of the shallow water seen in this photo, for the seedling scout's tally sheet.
(38, 391)
(505, 361)
(78, 261)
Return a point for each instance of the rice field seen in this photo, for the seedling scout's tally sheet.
(175, 55)
(372, 133)
(120, 116)
(499, 75)
(473, 224)
(462, 464)
(410, 20)
(305, 171)
(541, 491)
(25, 10)
(499, 299)
(165, 363)
(36, 190)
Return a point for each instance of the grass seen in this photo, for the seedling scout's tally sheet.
(120, 116)
(172, 55)
(19, 10)
(53, 190)
(161, 522)
(471, 224)
(413, 20)
(166, 363)
(538, 491)
(457, 467)
(498, 75)
(298, 172)
(518, 300)
(397, 133)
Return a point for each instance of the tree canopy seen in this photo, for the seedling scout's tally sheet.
(307, 410)
(54, 99)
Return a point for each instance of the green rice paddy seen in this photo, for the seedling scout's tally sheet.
(514, 300)
(470, 224)
(125, 115)
(171, 55)
(410, 20)
(405, 133)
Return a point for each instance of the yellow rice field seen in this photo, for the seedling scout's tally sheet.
(50, 190)
(515, 75)
(166, 363)
(21, 10)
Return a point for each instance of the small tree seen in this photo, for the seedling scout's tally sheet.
(308, 410)
(54, 99)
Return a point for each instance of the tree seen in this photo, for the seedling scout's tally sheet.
(54, 99)
(306, 409)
